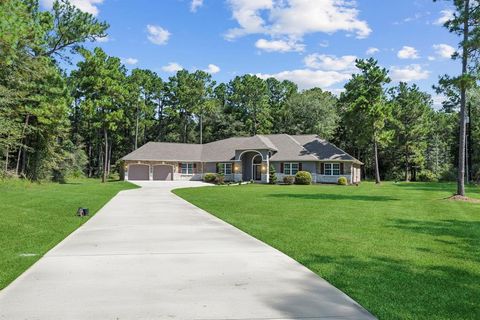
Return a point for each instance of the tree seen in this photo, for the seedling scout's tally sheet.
(464, 24)
(366, 108)
(100, 83)
(248, 100)
(187, 95)
(310, 112)
(272, 175)
(411, 114)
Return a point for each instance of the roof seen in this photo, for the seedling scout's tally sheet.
(283, 147)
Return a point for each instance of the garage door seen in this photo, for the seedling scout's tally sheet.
(138, 172)
(162, 172)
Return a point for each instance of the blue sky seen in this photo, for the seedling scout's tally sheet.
(311, 42)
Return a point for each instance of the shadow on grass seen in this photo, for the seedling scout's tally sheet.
(400, 289)
(465, 234)
(327, 196)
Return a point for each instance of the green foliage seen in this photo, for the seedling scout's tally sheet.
(310, 112)
(303, 177)
(272, 175)
(220, 179)
(427, 176)
(209, 177)
(342, 181)
(288, 180)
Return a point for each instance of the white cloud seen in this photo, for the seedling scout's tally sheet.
(438, 101)
(279, 45)
(212, 69)
(409, 73)
(195, 4)
(408, 53)
(157, 34)
(172, 67)
(292, 19)
(372, 51)
(130, 61)
(443, 50)
(306, 78)
(445, 15)
(330, 62)
(89, 6)
(102, 39)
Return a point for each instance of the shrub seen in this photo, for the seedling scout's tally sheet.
(303, 177)
(272, 178)
(427, 176)
(288, 179)
(342, 181)
(209, 177)
(220, 179)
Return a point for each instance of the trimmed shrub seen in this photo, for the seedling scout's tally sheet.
(209, 177)
(427, 176)
(220, 179)
(303, 177)
(342, 181)
(288, 179)
(272, 179)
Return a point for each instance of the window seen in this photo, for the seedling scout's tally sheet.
(332, 169)
(225, 168)
(290, 169)
(187, 168)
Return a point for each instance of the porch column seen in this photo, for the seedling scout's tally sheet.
(267, 169)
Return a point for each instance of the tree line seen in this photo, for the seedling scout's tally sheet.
(54, 124)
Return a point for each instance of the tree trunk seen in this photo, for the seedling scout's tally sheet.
(201, 129)
(136, 130)
(375, 160)
(462, 120)
(105, 151)
(17, 169)
(407, 164)
(7, 151)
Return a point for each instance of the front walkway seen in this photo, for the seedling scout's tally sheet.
(151, 255)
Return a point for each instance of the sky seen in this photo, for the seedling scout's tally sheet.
(313, 43)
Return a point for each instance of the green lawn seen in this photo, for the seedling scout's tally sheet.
(401, 250)
(35, 217)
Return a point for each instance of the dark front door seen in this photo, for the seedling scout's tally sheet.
(257, 172)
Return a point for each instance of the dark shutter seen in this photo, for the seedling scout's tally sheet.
(194, 167)
(217, 167)
(300, 167)
(322, 168)
(341, 168)
(281, 167)
(179, 167)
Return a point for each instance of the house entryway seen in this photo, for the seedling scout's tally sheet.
(257, 168)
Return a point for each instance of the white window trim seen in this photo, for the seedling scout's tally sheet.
(332, 169)
(188, 171)
(224, 167)
(290, 173)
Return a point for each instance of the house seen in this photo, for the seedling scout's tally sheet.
(243, 159)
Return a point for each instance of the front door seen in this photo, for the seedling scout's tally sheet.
(257, 172)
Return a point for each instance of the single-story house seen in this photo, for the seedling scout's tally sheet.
(243, 159)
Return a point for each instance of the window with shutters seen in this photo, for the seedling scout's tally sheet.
(225, 168)
(332, 169)
(290, 168)
(187, 168)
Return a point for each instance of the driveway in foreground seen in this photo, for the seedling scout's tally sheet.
(150, 255)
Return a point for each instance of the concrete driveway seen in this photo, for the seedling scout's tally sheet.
(150, 255)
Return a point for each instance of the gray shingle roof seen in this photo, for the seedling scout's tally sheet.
(284, 147)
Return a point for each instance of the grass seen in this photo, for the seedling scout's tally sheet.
(401, 250)
(35, 217)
